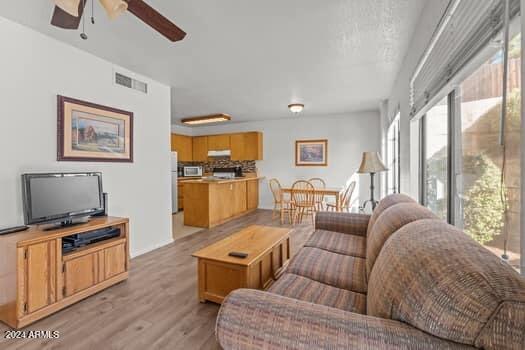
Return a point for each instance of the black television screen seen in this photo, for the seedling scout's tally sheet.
(60, 197)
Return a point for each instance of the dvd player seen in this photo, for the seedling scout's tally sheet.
(79, 240)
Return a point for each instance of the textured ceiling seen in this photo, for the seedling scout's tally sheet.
(250, 59)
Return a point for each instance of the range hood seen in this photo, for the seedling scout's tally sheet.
(220, 154)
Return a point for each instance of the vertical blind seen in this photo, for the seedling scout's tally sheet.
(464, 30)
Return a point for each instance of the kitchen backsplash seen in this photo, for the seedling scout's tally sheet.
(248, 166)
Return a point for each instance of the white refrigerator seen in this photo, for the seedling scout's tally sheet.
(174, 198)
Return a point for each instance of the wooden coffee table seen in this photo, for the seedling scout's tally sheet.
(268, 250)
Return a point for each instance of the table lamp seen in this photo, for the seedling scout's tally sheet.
(371, 164)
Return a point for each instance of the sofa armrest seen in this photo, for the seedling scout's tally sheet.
(252, 319)
(355, 224)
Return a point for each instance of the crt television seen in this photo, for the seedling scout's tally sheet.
(61, 197)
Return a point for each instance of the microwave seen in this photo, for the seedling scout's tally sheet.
(192, 171)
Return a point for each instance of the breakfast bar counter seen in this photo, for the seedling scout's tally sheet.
(209, 202)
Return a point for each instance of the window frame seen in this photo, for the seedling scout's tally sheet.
(451, 113)
(395, 124)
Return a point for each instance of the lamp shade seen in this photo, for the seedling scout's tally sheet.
(114, 8)
(69, 6)
(371, 163)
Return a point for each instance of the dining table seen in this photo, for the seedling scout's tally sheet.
(327, 192)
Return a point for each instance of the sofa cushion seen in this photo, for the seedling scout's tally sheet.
(341, 243)
(302, 288)
(391, 220)
(341, 271)
(351, 223)
(386, 203)
(434, 277)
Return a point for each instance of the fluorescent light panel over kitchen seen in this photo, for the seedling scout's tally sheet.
(214, 118)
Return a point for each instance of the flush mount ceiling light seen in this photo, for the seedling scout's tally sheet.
(213, 118)
(70, 6)
(296, 107)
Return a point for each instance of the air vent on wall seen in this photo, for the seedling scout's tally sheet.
(131, 83)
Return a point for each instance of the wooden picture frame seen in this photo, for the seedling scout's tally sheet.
(311, 153)
(88, 132)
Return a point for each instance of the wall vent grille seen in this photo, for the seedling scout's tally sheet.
(131, 83)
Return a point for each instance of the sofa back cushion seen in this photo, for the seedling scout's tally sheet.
(386, 203)
(434, 277)
(391, 220)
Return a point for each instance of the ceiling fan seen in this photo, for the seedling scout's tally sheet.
(68, 13)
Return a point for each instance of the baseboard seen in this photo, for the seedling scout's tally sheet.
(264, 207)
(150, 248)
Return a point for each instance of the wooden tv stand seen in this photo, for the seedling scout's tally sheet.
(36, 279)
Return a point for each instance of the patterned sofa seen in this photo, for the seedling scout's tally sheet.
(399, 279)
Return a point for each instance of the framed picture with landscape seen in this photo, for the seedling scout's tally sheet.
(94, 133)
(311, 152)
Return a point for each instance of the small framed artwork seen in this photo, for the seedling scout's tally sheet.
(311, 152)
(93, 133)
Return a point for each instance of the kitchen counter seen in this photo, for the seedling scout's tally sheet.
(205, 180)
(211, 202)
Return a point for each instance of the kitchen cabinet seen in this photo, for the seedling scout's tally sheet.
(200, 148)
(253, 146)
(237, 146)
(183, 145)
(252, 195)
(180, 195)
(246, 146)
(218, 142)
(243, 146)
(239, 197)
(221, 203)
(210, 203)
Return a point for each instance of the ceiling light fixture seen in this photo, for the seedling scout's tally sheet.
(214, 118)
(69, 6)
(114, 8)
(296, 107)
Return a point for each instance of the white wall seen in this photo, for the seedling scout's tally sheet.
(399, 97)
(348, 136)
(33, 70)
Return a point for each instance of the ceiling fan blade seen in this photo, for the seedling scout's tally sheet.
(64, 20)
(154, 19)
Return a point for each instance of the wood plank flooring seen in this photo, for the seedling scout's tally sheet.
(156, 308)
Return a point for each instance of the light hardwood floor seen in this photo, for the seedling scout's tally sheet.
(156, 308)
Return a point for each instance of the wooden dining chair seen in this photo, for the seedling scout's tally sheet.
(303, 198)
(345, 199)
(318, 183)
(281, 206)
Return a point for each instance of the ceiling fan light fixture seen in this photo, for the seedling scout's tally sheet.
(214, 118)
(69, 6)
(296, 107)
(114, 8)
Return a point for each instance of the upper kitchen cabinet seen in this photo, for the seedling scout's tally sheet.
(200, 148)
(183, 145)
(218, 142)
(247, 146)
